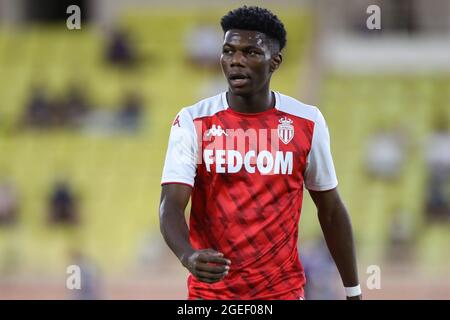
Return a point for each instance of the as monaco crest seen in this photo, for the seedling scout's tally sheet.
(285, 130)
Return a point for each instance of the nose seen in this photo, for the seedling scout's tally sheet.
(237, 59)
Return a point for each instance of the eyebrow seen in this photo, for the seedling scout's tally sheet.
(246, 47)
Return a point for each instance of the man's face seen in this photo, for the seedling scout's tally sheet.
(248, 61)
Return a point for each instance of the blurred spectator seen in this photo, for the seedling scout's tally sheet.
(204, 45)
(38, 110)
(437, 155)
(8, 203)
(437, 199)
(119, 50)
(437, 152)
(386, 154)
(400, 237)
(322, 277)
(58, 113)
(68, 111)
(63, 205)
(129, 116)
(76, 106)
(90, 277)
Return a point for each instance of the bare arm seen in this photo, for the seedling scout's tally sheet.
(206, 265)
(174, 199)
(337, 229)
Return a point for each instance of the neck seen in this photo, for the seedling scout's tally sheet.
(255, 103)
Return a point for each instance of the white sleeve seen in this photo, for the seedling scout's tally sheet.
(181, 158)
(320, 174)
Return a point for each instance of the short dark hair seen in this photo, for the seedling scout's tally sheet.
(255, 19)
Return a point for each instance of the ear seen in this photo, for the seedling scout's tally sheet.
(276, 61)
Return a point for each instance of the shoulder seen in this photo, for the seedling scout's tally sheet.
(206, 107)
(297, 108)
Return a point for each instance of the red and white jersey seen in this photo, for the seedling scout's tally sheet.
(247, 173)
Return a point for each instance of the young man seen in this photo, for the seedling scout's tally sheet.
(244, 156)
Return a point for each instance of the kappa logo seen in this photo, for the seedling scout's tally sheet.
(216, 131)
(176, 122)
(285, 130)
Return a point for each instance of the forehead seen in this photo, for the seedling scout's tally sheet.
(239, 37)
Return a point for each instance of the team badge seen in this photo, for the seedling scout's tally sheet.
(285, 130)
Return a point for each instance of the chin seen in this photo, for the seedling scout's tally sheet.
(241, 91)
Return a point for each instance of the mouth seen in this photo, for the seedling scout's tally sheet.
(238, 79)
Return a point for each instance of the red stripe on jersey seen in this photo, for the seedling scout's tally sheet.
(183, 183)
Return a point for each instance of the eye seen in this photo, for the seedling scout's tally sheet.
(253, 53)
(227, 51)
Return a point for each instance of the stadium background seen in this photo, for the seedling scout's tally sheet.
(364, 81)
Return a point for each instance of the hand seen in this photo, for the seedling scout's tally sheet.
(207, 265)
(355, 297)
